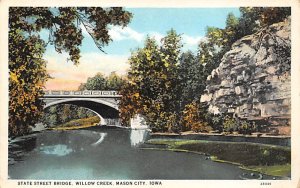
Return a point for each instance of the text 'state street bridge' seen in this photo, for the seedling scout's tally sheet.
(103, 103)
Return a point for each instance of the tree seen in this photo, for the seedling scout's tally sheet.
(114, 81)
(191, 78)
(26, 48)
(219, 41)
(98, 82)
(101, 82)
(26, 78)
(153, 86)
(194, 119)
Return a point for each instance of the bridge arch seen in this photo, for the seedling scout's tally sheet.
(104, 109)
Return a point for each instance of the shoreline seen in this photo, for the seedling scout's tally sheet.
(255, 135)
(196, 147)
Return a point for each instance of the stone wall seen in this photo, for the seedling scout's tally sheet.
(253, 80)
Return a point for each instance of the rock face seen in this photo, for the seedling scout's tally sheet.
(253, 80)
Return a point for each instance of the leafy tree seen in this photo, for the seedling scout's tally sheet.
(253, 18)
(191, 78)
(219, 41)
(153, 86)
(28, 68)
(26, 79)
(270, 15)
(141, 92)
(98, 82)
(82, 113)
(193, 119)
(114, 81)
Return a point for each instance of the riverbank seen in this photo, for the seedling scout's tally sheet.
(78, 124)
(266, 159)
(279, 140)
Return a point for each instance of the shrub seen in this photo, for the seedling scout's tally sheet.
(200, 127)
(229, 124)
(246, 127)
(193, 118)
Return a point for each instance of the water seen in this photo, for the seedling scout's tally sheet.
(105, 153)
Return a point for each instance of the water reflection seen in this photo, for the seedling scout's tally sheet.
(102, 136)
(137, 137)
(59, 150)
(62, 173)
(111, 153)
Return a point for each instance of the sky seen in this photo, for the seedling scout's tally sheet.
(191, 23)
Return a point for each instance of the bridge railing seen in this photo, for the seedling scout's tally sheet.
(80, 93)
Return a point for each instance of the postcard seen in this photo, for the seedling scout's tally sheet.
(150, 94)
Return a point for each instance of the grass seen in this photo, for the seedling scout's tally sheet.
(78, 123)
(275, 170)
(267, 159)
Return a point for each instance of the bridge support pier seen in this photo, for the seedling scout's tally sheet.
(138, 122)
(102, 121)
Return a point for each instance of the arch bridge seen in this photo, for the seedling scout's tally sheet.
(103, 103)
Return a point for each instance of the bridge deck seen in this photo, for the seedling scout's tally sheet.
(81, 94)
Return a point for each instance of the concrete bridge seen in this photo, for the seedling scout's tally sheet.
(103, 103)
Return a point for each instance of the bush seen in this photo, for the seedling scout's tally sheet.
(201, 127)
(215, 120)
(246, 127)
(229, 124)
(194, 118)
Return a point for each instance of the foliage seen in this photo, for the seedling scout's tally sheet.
(84, 122)
(214, 120)
(115, 82)
(26, 78)
(229, 124)
(193, 119)
(26, 64)
(63, 113)
(191, 78)
(219, 40)
(246, 127)
(130, 103)
(64, 23)
(152, 88)
(162, 80)
(100, 82)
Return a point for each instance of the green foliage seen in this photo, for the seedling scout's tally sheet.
(152, 87)
(63, 113)
(191, 78)
(230, 124)
(219, 40)
(164, 82)
(27, 67)
(63, 24)
(89, 121)
(100, 82)
(115, 82)
(246, 127)
(214, 120)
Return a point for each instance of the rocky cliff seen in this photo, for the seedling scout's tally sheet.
(253, 80)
